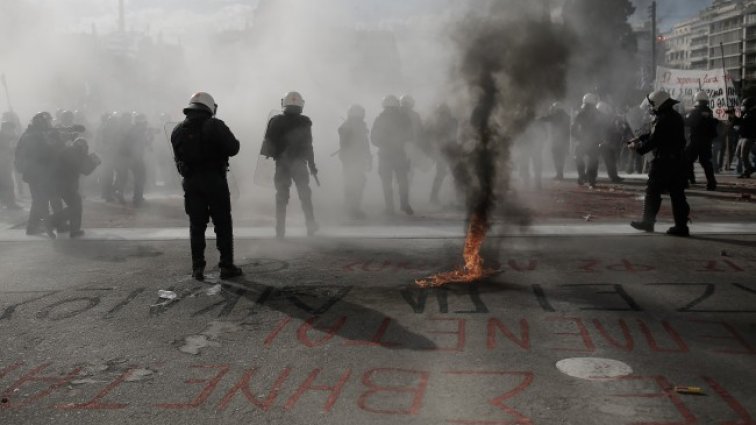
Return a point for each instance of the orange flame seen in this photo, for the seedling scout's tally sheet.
(473, 269)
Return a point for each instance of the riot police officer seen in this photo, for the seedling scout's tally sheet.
(7, 143)
(559, 136)
(442, 138)
(587, 130)
(616, 130)
(34, 157)
(668, 168)
(703, 131)
(202, 145)
(288, 140)
(74, 161)
(356, 159)
(391, 131)
(130, 159)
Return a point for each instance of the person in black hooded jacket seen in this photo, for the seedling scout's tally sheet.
(668, 168)
(746, 127)
(202, 145)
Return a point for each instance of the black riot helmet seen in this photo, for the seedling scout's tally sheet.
(748, 103)
(42, 120)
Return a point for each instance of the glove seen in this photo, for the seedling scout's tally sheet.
(313, 170)
(95, 158)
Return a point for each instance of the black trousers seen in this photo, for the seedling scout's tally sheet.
(40, 204)
(611, 157)
(667, 176)
(587, 163)
(137, 168)
(72, 213)
(559, 155)
(7, 188)
(702, 153)
(388, 168)
(206, 196)
(354, 184)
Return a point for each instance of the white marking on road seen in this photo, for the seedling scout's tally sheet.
(593, 368)
(384, 232)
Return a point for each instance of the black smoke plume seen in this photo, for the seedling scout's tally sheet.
(513, 61)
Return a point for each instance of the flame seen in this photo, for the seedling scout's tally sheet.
(473, 269)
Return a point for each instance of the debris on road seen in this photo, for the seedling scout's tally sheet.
(193, 344)
(689, 390)
(138, 375)
(85, 381)
(167, 295)
(215, 290)
(724, 253)
(588, 218)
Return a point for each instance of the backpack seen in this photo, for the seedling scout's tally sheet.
(189, 146)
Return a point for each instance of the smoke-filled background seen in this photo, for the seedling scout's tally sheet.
(76, 55)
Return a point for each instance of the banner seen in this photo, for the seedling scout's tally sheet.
(683, 84)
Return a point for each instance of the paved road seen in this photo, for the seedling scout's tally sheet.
(333, 331)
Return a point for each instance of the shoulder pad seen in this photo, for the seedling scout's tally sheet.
(305, 119)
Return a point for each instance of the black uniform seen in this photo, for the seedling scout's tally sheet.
(442, 138)
(559, 138)
(7, 188)
(35, 156)
(588, 131)
(72, 162)
(617, 131)
(289, 139)
(130, 160)
(703, 131)
(202, 146)
(746, 127)
(356, 161)
(668, 168)
(108, 136)
(391, 131)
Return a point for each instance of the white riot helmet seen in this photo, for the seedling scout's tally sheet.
(292, 99)
(590, 99)
(702, 97)
(407, 101)
(659, 98)
(356, 111)
(605, 108)
(202, 101)
(391, 101)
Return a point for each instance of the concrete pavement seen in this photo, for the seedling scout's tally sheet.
(334, 331)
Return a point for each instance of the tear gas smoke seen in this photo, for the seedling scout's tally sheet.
(511, 62)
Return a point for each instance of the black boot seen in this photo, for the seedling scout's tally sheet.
(645, 226)
(711, 180)
(681, 231)
(681, 212)
(280, 221)
(198, 270)
(230, 271)
(650, 208)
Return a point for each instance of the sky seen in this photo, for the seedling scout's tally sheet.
(670, 11)
(176, 17)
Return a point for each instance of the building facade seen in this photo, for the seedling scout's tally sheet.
(724, 31)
